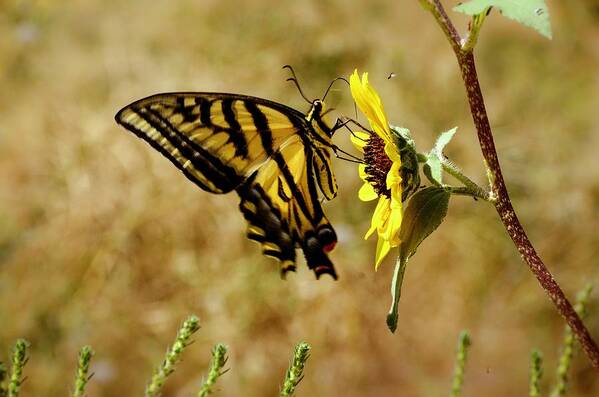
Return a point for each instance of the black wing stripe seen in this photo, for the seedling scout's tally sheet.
(298, 197)
(318, 214)
(223, 177)
(143, 135)
(329, 172)
(205, 105)
(258, 210)
(324, 127)
(261, 123)
(186, 111)
(235, 134)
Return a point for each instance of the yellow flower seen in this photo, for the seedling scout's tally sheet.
(381, 171)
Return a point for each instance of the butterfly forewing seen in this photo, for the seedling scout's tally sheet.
(261, 149)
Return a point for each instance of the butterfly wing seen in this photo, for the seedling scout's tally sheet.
(281, 206)
(225, 142)
(216, 140)
(323, 170)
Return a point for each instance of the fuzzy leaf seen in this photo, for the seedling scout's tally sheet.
(432, 168)
(444, 139)
(532, 13)
(425, 212)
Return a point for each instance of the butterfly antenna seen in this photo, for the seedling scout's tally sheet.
(331, 85)
(294, 79)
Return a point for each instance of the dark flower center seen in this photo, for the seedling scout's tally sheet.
(378, 164)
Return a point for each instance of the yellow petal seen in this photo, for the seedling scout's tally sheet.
(393, 176)
(367, 192)
(378, 216)
(369, 102)
(392, 152)
(362, 172)
(359, 139)
(382, 249)
(396, 196)
(394, 226)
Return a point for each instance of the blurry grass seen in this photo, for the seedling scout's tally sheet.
(102, 242)
(293, 376)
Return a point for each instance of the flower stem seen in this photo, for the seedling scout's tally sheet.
(503, 203)
(475, 25)
(398, 273)
(472, 189)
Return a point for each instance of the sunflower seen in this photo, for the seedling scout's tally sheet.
(381, 170)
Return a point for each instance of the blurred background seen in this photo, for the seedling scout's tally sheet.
(104, 242)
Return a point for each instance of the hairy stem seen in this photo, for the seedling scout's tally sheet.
(471, 187)
(82, 377)
(536, 373)
(460, 364)
(219, 359)
(295, 372)
(503, 203)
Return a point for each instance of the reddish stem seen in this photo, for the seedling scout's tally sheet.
(503, 204)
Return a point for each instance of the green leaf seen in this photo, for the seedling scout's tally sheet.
(444, 139)
(432, 168)
(425, 212)
(532, 13)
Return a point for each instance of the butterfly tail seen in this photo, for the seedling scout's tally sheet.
(266, 225)
(316, 246)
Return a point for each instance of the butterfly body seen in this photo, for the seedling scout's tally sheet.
(275, 157)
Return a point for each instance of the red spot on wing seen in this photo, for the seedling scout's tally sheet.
(329, 247)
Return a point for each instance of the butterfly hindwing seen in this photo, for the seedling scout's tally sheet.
(286, 185)
(324, 173)
(261, 149)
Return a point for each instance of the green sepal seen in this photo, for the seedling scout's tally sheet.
(410, 173)
(531, 13)
(433, 168)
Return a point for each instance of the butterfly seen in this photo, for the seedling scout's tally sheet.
(277, 159)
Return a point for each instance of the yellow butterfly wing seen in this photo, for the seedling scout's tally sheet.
(261, 149)
(281, 205)
(215, 139)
